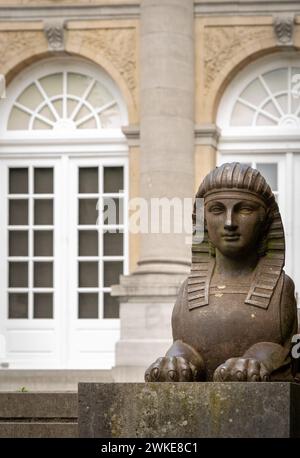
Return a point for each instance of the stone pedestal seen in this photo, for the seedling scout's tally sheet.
(179, 410)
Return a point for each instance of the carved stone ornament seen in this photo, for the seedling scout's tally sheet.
(283, 27)
(54, 31)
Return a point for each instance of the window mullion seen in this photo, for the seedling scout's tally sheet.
(100, 241)
(30, 242)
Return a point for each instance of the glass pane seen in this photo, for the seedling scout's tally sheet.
(43, 305)
(43, 274)
(38, 124)
(18, 181)
(31, 97)
(71, 105)
(18, 212)
(18, 274)
(294, 87)
(58, 106)
(112, 272)
(18, 243)
(88, 274)
(113, 244)
(43, 180)
(52, 84)
(88, 213)
(99, 96)
(43, 243)
(18, 305)
(113, 179)
(111, 306)
(90, 124)
(47, 113)
(269, 172)
(277, 80)
(283, 102)
(110, 118)
(271, 108)
(88, 305)
(254, 93)
(241, 115)
(88, 180)
(265, 121)
(113, 211)
(88, 243)
(84, 111)
(43, 211)
(18, 120)
(77, 83)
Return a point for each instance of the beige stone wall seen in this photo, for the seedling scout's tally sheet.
(205, 161)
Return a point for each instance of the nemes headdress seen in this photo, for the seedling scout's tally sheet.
(226, 180)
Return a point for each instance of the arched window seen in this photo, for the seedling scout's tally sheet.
(259, 117)
(65, 100)
(63, 179)
(272, 98)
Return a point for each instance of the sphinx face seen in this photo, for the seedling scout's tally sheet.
(235, 224)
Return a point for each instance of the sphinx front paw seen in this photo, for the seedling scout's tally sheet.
(172, 369)
(241, 370)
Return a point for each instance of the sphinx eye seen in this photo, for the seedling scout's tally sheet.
(246, 209)
(216, 209)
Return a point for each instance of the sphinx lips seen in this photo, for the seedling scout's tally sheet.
(231, 237)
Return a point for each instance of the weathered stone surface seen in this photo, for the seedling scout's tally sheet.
(38, 430)
(189, 410)
(38, 415)
(46, 405)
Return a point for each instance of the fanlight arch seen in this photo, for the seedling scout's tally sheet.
(265, 94)
(63, 97)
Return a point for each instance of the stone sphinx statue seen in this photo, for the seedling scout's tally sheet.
(236, 313)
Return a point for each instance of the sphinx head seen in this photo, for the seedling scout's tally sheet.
(239, 208)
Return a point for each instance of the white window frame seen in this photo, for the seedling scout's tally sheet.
(90, 145)
(91, 357)
(9, 327)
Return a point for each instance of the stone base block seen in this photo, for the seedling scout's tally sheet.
(38, 415)
(179, 410)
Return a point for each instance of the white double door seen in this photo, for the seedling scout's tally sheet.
(56, 273)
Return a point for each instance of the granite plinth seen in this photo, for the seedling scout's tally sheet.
(179, 410)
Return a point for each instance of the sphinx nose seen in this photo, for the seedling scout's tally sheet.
(230, 224)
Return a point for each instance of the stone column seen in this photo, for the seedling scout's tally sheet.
(167, 120)
(166, 170)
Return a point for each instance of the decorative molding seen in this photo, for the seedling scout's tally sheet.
(207, 134)
(54, 30)
(245, 7)
(18, 44)
(69, 12)
(132, 133)
(132, 10)
(222, 44)
(283, 28)
(118, 46)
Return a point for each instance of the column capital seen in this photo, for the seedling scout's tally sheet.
(132, 133)
(207, 134)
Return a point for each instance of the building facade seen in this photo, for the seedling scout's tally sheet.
(105, 102)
